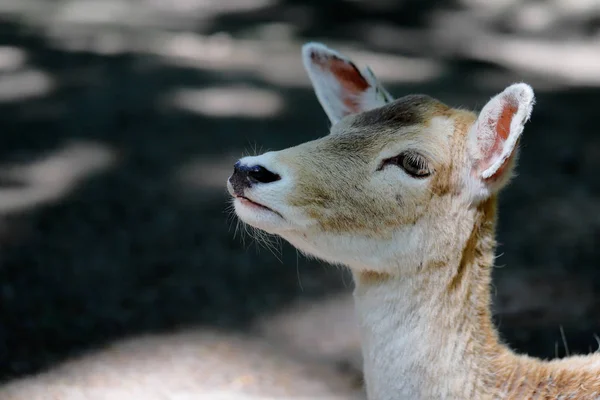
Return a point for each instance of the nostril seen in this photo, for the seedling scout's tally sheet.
(260, 174)
(244, 176)
(239, 167)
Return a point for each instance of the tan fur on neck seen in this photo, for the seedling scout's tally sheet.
(499, 373)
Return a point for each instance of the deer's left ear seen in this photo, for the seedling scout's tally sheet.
(493, 139)
(341, 88)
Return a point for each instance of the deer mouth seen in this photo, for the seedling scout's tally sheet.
(246, 201)
(253, 204)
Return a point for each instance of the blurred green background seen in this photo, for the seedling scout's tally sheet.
(120, 121)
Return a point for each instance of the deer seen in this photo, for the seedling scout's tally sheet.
(403, 192)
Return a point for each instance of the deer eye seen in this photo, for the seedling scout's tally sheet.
(412, 163)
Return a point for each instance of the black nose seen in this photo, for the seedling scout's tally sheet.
(244, 176)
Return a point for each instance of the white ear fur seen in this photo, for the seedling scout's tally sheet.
(340, 87)
(494, 137)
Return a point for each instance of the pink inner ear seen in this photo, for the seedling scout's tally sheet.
(502, 132)
(503, 126)
(500, 170)
(349, 77)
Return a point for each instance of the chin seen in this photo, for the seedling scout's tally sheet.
(313, 245)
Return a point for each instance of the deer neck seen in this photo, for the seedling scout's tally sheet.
(430, 335)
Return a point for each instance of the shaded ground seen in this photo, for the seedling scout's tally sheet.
(124, 120)
(272, 361)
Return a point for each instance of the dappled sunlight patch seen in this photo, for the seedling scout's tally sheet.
(25, 84)
(224, 54)
(207, 8)
(94, 14)
(94, 11)
(53, 176)
(229, 102)
(576, 8)
(559, 8)
(321, 328)
(276, 61)
(196, 364)
(485, 7)
(221, 52)
(535, 17)
(573, 63)
(22, 6)
(393, 68)
(11, 58)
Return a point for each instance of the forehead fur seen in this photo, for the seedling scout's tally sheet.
(405, 111)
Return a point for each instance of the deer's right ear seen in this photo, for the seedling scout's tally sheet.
(340, 87)
(493, 139)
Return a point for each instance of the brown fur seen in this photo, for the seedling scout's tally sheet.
(372, 277)
(335, 184)
(514, 376)
(406, 111)
(445, 178)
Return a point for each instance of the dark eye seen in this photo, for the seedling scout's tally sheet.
(414, 164)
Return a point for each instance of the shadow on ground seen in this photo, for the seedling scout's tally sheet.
(120, 125)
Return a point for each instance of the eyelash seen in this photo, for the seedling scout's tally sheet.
(412, 163)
